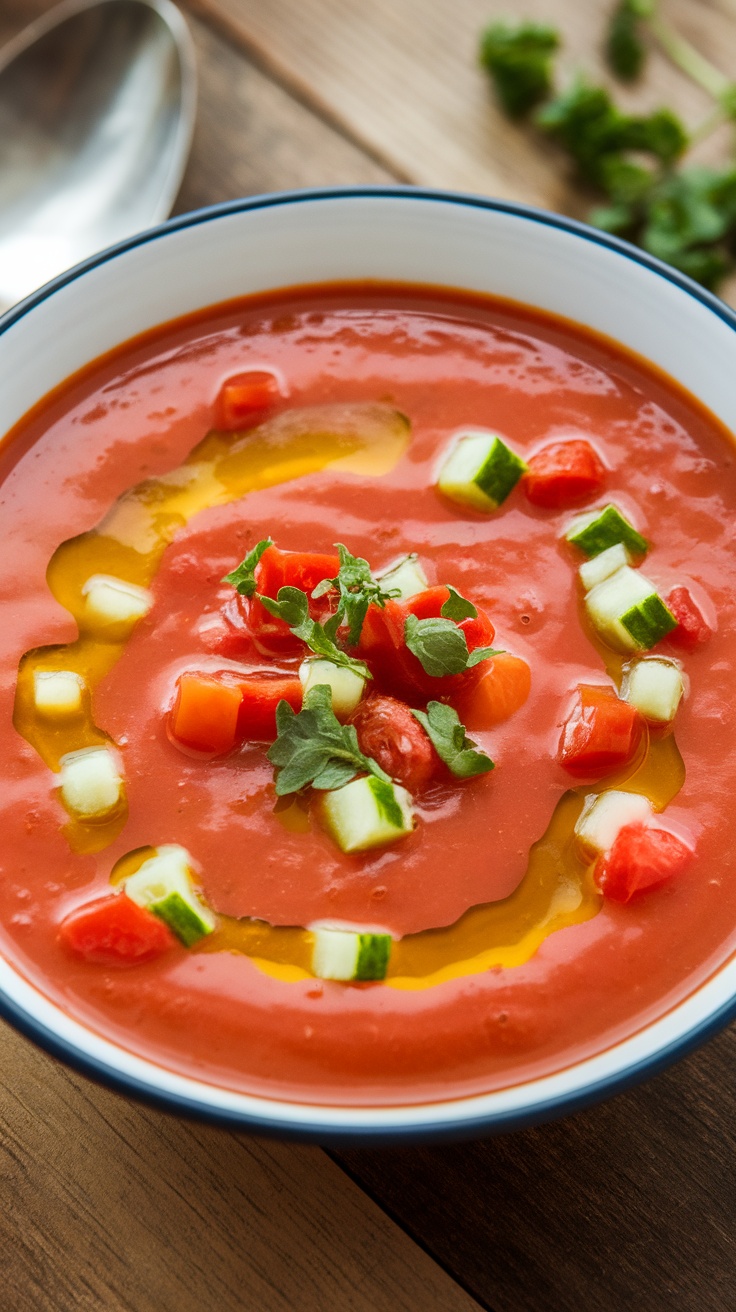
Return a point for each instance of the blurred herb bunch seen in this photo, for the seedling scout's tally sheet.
(684, 214)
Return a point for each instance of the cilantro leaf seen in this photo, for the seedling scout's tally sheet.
(624, 49)
(457, 607)
(684, 216)
(519, 60)
(625, 182)
(357, 590)
(313, 748)
(243, 576)
(660, 133)
(292, 606)
(447, 732)
(441, 647)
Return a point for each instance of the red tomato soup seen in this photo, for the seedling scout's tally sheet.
(444, 809)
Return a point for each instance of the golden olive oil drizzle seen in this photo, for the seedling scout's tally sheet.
(557, 888)
(129, 542)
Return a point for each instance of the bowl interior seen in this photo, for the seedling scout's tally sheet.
(455, 242)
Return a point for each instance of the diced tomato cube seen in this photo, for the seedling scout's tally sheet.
(601, 734)
(692, 629)
(294, 569)
(388, 732)
(502, 687)
(642, 857)
(260, 695)
(245, 398)
(383, 645)
(287, 569)
(115, 931)
(563, 474)
(205, 714)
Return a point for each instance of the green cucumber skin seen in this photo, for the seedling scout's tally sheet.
(386, 803)
(500, 472)
(609, 528)
(180, 918)
(374, 952)
(649, 621)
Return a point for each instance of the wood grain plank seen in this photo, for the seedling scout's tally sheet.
(110, 1206)
(251, 136)
(402, 78)
(629, 1205)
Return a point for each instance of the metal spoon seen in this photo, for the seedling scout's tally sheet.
(97, 103)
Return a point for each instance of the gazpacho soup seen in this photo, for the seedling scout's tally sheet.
(367, 695)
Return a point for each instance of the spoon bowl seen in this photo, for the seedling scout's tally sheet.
(97, 103)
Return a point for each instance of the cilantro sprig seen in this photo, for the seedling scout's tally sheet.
(520, 61)
(357, 590)
(457, 608)
(451, 742)
(292, 606)
(243, 577)
(682, 213)
(441, 647)
(624, 48)
(313, 749)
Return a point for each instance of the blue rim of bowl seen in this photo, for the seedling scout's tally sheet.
(446, 1127)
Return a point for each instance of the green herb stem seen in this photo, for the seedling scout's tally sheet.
(685, 57)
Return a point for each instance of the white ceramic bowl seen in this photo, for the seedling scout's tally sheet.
(409, 236)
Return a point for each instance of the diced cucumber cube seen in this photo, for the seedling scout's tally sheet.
(114, 602)
(480, 471)
(164, 885)
(628, 612)
(597, 530)
(649, 621)
(655, 687)
(347, 687)
(405, 576)
(349, 955)
(91, 784)
(603, 566)
(366, 813)
(58, 693)
(605, 813)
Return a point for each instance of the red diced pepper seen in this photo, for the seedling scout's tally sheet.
(261, 694)
(601, 734)
(205, 714)
(383, 645)
(388, 732)
(115, 931)
(287, 569)
(642, 857)
(692, 629)
(245, 398)
(563, 474)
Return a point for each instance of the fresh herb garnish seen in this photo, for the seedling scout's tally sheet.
(457, 608)
(451, 742)
(684, 214)
(313, 748)
(357, 590)
(243, 578)
(292, 606)
(441, 647)
(624, 48)
(520, 61)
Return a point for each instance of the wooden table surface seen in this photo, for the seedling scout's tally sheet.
(107, 1205)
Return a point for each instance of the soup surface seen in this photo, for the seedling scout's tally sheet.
(511, 955)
